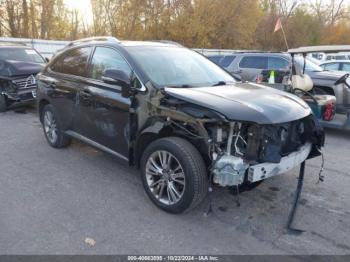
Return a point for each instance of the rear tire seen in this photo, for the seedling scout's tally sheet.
(3, 105)
(174, 174)
(52, 128)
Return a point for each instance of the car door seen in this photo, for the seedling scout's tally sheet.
(103, 114)
(251, 66)
(63, 82)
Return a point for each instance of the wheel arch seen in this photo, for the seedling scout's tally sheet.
(42, 103)
(157, 131)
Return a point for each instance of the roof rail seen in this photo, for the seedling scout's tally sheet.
(96, 38)
(168, 42)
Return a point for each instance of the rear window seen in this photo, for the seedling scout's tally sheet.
(256, 62)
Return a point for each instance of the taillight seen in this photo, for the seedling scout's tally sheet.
(259, 79)
(329, 112)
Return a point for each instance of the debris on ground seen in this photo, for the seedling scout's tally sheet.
(91, 242)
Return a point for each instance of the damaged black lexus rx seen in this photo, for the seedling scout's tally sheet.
(177, 116)
(19, 66)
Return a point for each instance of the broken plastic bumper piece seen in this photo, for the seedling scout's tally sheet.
(262, 171)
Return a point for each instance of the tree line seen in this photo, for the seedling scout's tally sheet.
(224, 24)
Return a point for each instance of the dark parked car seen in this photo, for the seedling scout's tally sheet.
(19, 66)
(177, 116)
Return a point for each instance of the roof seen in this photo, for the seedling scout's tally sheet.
(113, 40)
(321, 48)
(11, 44)
(94, 39)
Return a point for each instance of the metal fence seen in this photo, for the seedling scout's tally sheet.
(213, 52)
(46, 48)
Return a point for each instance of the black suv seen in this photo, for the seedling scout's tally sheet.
(19, 65)
(176, 115)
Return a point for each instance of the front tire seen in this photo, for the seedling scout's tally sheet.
(52, 128)
(3, 104)
(174, 174)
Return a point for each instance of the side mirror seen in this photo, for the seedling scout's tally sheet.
(118, 77)
(47, 59)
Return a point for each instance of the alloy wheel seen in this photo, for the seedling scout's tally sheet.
(165, 177)
(50, 127)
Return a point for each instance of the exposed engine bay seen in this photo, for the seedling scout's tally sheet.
(250, 152)
(239, 152)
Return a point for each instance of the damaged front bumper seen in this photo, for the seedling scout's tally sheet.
(18, 91)
(27, 95)
(253, 153)
(262, 171)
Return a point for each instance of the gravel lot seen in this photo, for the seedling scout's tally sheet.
(52, 200)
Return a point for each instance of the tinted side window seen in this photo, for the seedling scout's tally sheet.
(215, 59)
(277, 63)
(331, 66)
(107, 58)
(73, 63)
(257, 62)
(227, 60)
(346, 67)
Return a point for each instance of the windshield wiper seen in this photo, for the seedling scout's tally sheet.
(220, 83)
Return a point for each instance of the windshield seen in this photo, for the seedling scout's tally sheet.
(21, 54)
(310, 66)
(178, 67)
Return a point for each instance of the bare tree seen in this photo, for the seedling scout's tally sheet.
(25, 19)
(328, 12)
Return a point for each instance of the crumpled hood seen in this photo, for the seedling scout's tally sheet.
(10, 68)
(246, 102)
